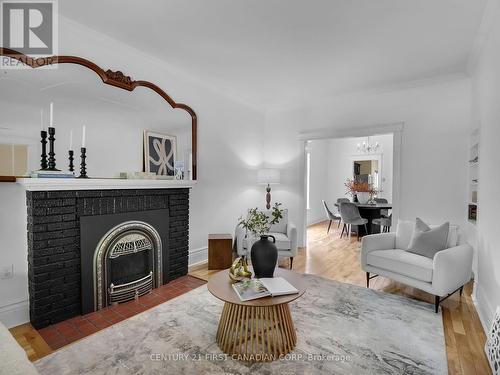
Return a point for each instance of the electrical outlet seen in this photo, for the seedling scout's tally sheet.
(7, 272)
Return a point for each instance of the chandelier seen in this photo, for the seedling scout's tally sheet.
(368, 147)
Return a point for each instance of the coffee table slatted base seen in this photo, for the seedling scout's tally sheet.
(256, 333)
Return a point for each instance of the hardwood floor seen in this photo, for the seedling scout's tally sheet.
(39, 343)
(31, 341)
(338, 259)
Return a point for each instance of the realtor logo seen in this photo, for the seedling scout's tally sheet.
(30, 27)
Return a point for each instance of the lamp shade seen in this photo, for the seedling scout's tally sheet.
(268, 176)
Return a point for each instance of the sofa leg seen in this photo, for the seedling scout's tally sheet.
(436, 304)
(368, 279)
(291, 262)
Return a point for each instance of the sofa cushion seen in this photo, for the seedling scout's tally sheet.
(282, 241)
(402, 262)
(452, 240)
(279, 227)
(426, 241)
(404, 231)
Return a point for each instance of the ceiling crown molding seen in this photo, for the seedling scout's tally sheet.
(490, 11)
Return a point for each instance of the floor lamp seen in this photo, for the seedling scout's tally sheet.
(268, 176)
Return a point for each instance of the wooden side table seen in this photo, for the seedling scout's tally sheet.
(220, 251)
(260, 330)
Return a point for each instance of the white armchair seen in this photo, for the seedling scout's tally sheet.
(285, 233)
(385, 255)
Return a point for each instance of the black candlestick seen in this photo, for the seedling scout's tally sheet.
(43, 161)
(83, 165)
(52, 154)
(71, 158)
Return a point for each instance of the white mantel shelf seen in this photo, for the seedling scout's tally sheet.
(54, 184)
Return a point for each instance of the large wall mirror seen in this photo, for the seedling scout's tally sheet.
(131, 127)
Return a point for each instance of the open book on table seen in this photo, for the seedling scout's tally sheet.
(265, 287)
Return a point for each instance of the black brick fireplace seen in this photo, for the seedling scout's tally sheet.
(54, 241)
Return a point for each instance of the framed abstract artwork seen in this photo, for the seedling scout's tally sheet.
(159, 153)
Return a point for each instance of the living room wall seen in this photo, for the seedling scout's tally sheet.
(436, 117)
(229, 144)
(486, 116)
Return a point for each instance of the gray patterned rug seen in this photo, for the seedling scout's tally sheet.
(341, 329)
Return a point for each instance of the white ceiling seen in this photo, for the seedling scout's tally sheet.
(280, 52)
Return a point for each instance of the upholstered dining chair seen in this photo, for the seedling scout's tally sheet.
(385, 224)
(330, 216)
(350, 216)
(342, 200)
(384, 213)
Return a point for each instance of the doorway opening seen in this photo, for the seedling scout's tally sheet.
(332, 164)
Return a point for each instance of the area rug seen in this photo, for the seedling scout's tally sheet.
(341, 329)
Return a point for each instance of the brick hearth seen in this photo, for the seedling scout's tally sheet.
(73, 329)
(54, 241)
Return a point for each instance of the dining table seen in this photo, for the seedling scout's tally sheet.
(370, 211)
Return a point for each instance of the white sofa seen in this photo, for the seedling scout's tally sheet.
(385, 255)
(285, 233)
(13, 359)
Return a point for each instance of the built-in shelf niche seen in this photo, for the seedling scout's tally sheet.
(473, 176)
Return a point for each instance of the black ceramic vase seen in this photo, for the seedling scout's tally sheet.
(264, 255)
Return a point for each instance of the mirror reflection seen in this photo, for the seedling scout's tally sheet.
(127, 134)
(367, 171)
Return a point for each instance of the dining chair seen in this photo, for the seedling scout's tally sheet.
(330, 216)
(385, 223)
(384, 213)
(342, 200)
(349, 213)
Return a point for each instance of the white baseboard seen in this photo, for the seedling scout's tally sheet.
(198, 256)
(483, 308)
(314, 222)
(15, 314)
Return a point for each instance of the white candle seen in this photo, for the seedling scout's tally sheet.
(41, 120)
(51, 122)
(83, 136)
(71, 140)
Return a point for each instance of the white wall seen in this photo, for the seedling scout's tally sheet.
(486, 115)
(319, 151)
(434, 143)
(229, 143)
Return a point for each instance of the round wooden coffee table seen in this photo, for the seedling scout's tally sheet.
(259, 330)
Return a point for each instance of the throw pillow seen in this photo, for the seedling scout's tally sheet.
(426, 241)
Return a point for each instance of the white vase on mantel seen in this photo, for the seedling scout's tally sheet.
(363, 197)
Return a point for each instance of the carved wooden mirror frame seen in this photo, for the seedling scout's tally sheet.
(113, 78)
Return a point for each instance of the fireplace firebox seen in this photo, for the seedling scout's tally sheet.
(127, 263)
(122, 256)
